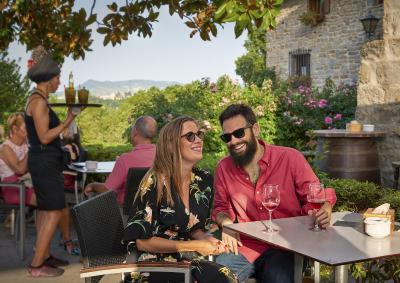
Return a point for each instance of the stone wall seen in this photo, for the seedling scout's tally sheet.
(378, 100)
(335, 43)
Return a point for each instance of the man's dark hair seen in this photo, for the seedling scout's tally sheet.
(238, 109)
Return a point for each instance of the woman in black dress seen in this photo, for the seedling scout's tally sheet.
(172, 206)
(45, 161)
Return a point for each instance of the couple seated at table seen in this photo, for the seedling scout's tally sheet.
(13, 165)
(170, 211)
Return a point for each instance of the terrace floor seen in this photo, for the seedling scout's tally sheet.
(12, 269)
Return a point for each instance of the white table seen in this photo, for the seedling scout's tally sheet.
(337, 246)
(103, 167)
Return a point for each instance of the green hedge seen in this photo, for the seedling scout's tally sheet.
(106, 152)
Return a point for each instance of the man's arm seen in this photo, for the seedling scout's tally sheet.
(304, 176)
(97, 188)
(222, 211)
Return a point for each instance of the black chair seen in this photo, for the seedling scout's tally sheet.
(98, 223)
(135, 176)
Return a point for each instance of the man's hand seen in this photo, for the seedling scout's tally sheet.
(231, 240)
(323, 216)
(88, 189)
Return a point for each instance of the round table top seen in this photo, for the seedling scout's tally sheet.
(341, 133)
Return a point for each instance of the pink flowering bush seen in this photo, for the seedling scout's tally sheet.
(306, 108)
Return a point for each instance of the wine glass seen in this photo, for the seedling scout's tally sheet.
(316, 198)
(270, 201)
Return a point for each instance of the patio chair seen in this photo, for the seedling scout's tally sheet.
(135, 176)
(98, 223)
(17, 215)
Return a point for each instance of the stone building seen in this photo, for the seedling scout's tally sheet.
(328, 47)
(378, 93)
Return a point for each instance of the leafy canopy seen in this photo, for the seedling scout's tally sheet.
(13, 88)
(251, 66)
(60, 26)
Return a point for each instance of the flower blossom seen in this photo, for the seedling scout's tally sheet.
(207, 125)
(328, 120)
(322, 103)
(338, 116)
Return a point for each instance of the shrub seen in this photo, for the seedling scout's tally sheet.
(304, 109)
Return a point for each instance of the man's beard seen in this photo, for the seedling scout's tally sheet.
(244, 158)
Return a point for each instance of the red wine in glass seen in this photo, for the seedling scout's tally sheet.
(271, 204)
(316, 198)
(270, 201)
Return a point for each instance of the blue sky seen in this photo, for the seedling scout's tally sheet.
(170, 54)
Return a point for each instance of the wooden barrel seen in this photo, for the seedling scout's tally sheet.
(349, 156)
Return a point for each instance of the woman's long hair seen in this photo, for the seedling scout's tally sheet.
(167, 165)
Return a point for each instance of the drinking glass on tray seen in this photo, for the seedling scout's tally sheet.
(270, 201)
(316, 198)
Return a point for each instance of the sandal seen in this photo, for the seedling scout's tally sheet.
(71, 248)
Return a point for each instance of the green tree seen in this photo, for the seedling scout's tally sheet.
(13, 87)
(251, 67)
(60, 26)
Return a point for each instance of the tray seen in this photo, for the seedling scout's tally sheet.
(75, 105)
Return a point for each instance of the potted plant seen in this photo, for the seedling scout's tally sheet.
(311, 18)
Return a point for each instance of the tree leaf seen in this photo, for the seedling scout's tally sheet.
(113, 7)
(220, 11)
(190, 24)
(238, 29)
(103, 30)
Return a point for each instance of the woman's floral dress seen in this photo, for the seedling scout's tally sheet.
(176, 223)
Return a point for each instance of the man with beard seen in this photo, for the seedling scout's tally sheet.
(238, 184)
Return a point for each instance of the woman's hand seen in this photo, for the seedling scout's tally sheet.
(208, 247)
(70, 115)
(231, 240)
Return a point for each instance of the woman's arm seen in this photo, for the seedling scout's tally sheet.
(161, 245)
(40, 116)
(10, 158)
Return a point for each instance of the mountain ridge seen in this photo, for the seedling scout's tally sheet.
(111, 89)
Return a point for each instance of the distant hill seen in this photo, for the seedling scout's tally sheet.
(109, 89)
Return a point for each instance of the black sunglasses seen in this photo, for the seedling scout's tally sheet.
(190, 136)
(239, 133)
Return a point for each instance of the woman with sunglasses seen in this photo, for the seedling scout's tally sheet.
(172, 206)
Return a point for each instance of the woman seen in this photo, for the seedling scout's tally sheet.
(173, 203)
(45, 161)
(13, 164)
(14, 160)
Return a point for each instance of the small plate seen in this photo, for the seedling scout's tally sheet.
(78, 164)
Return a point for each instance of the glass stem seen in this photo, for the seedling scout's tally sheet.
(270, 220)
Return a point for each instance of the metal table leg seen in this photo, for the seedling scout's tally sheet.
(341, 274)
(316, 271)
(22, 220)
(298, 268)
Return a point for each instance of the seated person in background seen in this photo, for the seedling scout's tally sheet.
(69, 142)
(239, 180)
(13, 160)
(142, 155)
(13, 164)
(172, 205)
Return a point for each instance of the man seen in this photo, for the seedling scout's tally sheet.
(238, 187)
(142, 155)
